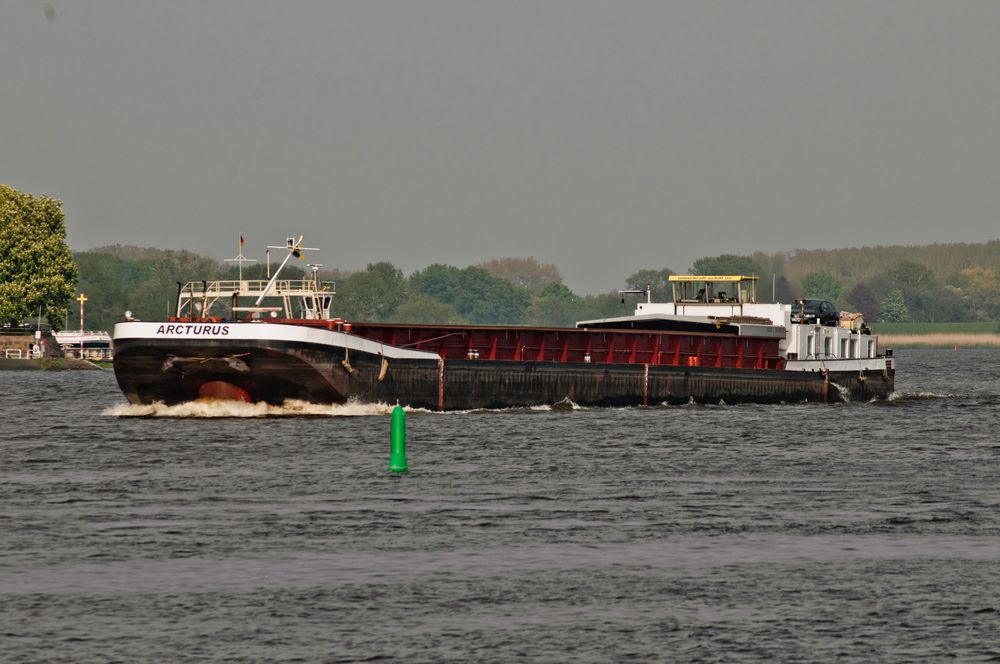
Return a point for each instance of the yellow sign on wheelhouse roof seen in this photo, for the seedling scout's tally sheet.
(710, 277)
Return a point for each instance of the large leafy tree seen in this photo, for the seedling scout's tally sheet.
(474, 293)
(893, 308)
(726, 264)
(36, 266)
(607, 305)
(438, 281)
(821, 286)
(526, 272)
(556, 306)
(980, 289)
(372, 294)
(427, 310)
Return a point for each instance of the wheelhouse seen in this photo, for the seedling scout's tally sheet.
(713, 289)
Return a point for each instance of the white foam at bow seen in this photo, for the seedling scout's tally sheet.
(225, 408)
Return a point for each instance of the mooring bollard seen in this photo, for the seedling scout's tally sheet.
(397, 441)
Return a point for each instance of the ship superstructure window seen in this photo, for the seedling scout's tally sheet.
(713, 289)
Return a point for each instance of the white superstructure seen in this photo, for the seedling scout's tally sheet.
(731, 300)
(307, 299)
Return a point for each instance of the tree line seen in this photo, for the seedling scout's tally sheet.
(503, 291)
(525, 291)
(38, 273)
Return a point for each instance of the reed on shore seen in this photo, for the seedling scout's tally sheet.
(939, 340)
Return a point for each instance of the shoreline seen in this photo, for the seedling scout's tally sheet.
(47, 364)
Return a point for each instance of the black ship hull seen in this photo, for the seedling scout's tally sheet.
(174, 371)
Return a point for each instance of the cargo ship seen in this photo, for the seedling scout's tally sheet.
(277, 339)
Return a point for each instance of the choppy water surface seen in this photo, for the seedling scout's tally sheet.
(804, 532)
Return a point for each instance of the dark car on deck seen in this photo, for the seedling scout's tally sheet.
(812, 312)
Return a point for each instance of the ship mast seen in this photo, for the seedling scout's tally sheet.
(240, 258)
(294, 249)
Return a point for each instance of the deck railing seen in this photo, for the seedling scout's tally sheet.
(247, 288)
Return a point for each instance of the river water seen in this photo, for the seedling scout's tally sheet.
(800, 532)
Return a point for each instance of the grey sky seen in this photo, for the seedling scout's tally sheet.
(600, 136)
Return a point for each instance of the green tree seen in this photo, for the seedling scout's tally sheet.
(606, 305)
(726, 264)
(372, 294)
(893, 308)
(155, 295)
(489, 300)
(438, 281)
(979, 288)
(259, 271)
(658, 279)
(526, 272)
(926, 298)
(138, 279)
(474, 293)
(422, 309)
(556, 306)
(109, 284)
(821, 286)
(910, 276)
(36, 266)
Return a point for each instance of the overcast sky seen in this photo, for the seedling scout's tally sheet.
(603, 137)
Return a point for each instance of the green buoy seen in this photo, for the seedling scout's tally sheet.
(397, 441)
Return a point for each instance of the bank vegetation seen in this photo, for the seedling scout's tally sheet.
(937, 284)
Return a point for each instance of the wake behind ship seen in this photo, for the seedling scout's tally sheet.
(276, 340)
